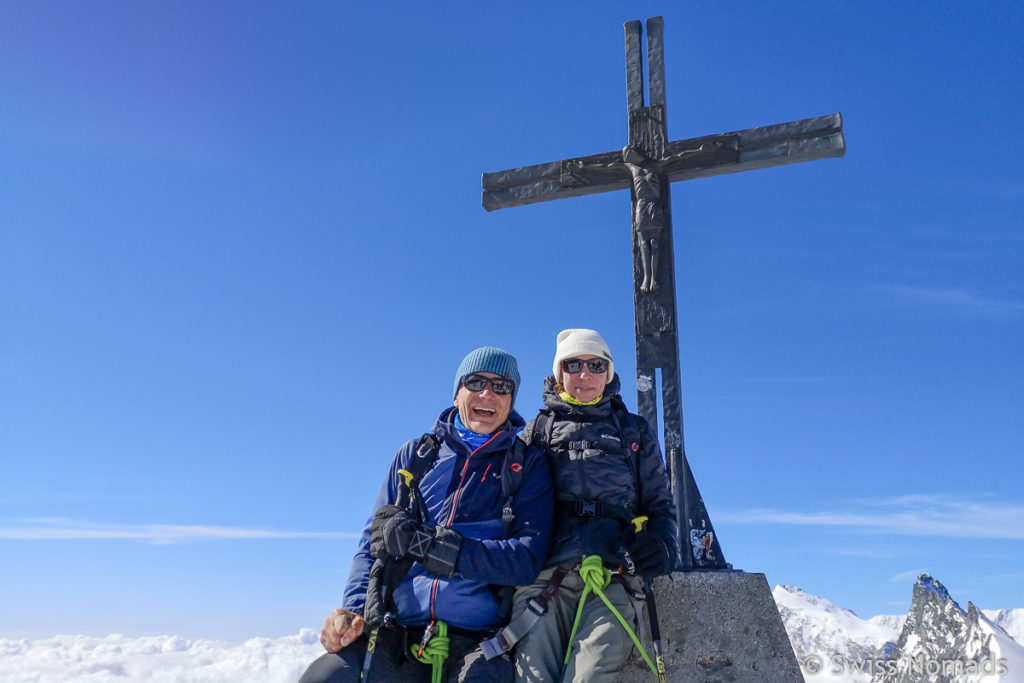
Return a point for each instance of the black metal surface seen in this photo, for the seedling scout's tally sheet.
(634, 66)
(647, 167)
(656, 61)
(811, 139)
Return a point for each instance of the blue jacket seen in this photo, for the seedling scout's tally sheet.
(463, 491)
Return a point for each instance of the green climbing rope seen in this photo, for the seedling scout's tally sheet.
(595, 579)
(435, 651)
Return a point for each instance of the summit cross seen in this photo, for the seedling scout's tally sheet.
(647, 166)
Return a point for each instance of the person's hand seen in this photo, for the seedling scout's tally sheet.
(392, 531)
(649, 554)
(396, 533)
(341, 629)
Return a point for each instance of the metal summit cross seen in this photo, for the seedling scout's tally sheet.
(647, 166)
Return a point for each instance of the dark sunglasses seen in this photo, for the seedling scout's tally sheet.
(498, 385)
(596, 365)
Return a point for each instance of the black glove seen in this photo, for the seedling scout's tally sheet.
(392, 531)
(437, 550)
(380, 587)
(649, 554)
(396, 533)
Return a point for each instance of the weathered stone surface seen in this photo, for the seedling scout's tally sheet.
(718, 627)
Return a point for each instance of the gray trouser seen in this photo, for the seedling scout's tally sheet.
(392, 661)
(601, 645)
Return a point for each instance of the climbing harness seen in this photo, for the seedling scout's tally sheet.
(506, 638)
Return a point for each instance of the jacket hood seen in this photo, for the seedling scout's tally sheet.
(445, 430)
(600, 409)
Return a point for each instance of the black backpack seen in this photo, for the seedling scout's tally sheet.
(625, 423)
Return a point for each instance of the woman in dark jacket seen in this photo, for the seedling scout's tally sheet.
(607, 470)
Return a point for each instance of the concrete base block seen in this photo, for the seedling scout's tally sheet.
(718, 627)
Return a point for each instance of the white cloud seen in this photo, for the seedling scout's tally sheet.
(908, 576)
(157, 659)
(989, 190)
(950, 298)
(917, 515)
(66, 530)
(868, 553)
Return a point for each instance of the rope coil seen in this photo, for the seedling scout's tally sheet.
(596, 578)
(435, 651)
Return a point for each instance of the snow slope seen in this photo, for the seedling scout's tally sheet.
(831, 643)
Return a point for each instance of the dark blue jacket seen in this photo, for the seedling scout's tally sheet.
(463, 491)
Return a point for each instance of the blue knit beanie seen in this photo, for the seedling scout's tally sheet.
(489, 359)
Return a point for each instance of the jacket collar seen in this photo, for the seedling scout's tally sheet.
(444, 428)
(602, 408)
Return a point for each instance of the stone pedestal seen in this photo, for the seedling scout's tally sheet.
(718, 627)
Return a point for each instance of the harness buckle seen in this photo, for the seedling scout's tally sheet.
(494, 647)
(536, 607)
(588, 508)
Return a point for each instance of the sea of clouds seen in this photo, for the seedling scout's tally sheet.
(156, 659)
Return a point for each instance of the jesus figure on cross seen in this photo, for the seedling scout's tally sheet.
(647, 176)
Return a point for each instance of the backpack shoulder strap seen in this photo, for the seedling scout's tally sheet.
(423, 458)
(629, 432)
(540, 434)
(424, 455)
(513, 461)
(513, 464)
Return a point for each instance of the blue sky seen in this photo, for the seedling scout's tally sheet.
(242, 253)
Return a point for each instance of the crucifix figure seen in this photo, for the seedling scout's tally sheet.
(646, 176)
(647, 166)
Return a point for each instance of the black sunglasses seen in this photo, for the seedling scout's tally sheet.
(596, 365)
(498, 385)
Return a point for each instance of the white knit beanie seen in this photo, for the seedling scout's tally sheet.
(572, 343)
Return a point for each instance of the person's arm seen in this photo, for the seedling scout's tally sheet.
(516, 560)
(580, 172)
(656, 499)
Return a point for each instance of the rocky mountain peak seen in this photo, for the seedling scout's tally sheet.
(943, 643)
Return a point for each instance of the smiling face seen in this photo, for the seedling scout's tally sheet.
(483, 411)
(584, 386)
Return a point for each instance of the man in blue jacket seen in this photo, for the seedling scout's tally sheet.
(460, 551)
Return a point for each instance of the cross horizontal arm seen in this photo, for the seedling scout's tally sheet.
(543, 182)
(785, 143)
(518, 177)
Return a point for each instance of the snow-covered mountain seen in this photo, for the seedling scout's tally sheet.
(936, 642)
(1010, 620)
(942, 642)
(831, 643)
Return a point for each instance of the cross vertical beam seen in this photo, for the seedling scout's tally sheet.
(647, 166)
(657, 339)
(634, 66)
(656, 60)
